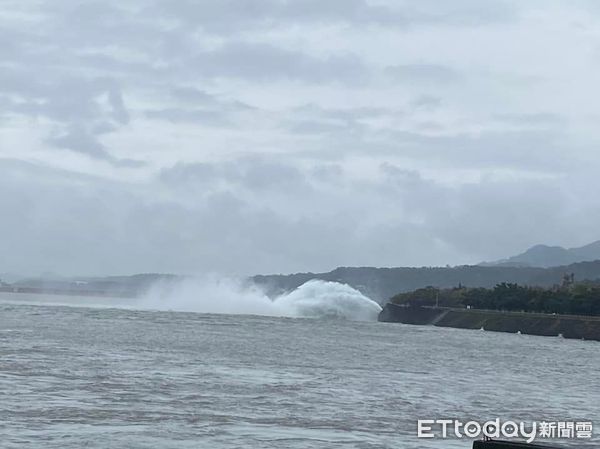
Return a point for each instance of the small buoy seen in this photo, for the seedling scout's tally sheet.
(560, 336)
(482, 329)
(518, 332)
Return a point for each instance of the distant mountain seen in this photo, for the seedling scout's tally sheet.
(551, 256)
(381, 284)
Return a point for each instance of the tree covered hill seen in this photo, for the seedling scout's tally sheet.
(576, 299)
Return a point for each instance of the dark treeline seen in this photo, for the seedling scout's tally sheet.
(577, 299)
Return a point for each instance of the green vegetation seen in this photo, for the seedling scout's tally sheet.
(574, 299)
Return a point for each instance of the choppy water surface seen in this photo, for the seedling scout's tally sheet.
(75, 377)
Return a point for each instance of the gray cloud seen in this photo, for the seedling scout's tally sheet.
(265, 62)
(465, 12)
(197, 116)
(86, 141)
(528, 149)
(263, 212)
(232, 16)
(423, 73)
(532, 119)
(78, 139)
(256, 174)
(279, 135)
(199, 107)
(426, 102)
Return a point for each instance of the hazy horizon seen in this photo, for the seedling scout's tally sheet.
(274, 136)
(13, 276)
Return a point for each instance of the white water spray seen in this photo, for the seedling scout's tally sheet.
(209, 294)
(314, 299)
(320, 299)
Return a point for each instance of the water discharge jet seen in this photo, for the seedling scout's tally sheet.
(314, 299)
(322, 299)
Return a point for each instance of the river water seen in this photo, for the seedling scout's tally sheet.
(73, 377)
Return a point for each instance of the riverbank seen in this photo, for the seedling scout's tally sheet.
(567, 326)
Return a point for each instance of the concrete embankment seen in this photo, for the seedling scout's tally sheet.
(569, 326)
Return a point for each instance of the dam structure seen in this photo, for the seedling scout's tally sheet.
(551, 325)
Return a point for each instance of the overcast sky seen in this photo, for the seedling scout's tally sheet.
(268, 136)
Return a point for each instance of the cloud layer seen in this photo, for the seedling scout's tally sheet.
(275, 136)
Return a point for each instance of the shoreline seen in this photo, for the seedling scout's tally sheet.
(540, 324)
